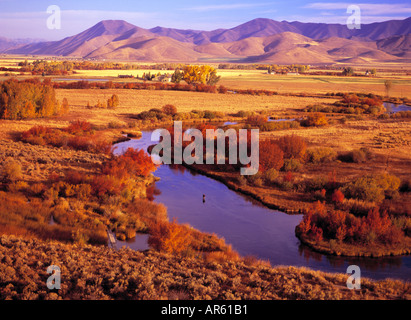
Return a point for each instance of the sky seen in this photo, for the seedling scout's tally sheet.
(28, 18)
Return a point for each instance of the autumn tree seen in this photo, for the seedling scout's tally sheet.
(200, 74)
(28, 99)
(348, 71)
(388, 86)
(113, 102)
(177, 76)
(315, 120)
(350, 99)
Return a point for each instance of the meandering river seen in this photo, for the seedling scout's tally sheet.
(251, 228)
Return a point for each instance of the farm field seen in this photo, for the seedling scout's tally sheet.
(259, 79)
(135, 101)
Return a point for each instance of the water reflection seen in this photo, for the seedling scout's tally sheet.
(394, 108)
(139, 242)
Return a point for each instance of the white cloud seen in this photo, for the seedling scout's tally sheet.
(366, 8)
(341, 19)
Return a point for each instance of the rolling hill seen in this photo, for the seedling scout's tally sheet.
(259, 40)
(146, 48)
(396, 45)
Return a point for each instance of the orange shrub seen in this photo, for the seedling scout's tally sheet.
(169, 109)
(337, 196)
(169, 237)
(222, 256)
(293, 146)
(105, 185)
(256, 120)
(147, 211)
(271, 156)
(132, 162)
(77, 136)
(350, 99)
(79, 127)
(315, 120)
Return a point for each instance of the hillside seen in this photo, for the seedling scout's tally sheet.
(101, 273)
(396, 45)
(146, 48)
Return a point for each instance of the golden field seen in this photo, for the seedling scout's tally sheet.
(400, 74)
(135, 101)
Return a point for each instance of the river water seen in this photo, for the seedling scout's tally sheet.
(248, 226)
(394, 108)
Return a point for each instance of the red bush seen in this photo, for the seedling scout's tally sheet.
(271, 156)
(343, 226)
(132, 162)
(289, 177)
(105, 185)
(79, 127)
(337, 196)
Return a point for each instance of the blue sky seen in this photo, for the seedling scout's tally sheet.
(27, 18)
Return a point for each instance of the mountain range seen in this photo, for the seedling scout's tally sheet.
(259, 40)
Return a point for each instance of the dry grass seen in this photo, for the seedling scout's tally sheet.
(359, 134)
(317, 84)
(100, 273)
(135, 101)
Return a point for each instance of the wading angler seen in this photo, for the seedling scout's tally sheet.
(170, 149)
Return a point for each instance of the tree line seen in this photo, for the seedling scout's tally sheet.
(44, 67)
(29, 99)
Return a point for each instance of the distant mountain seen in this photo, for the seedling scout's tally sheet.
(266, 27)
(82, 43)
(259, 40)
(6, 44)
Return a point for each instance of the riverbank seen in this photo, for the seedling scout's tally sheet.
(342, 249)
